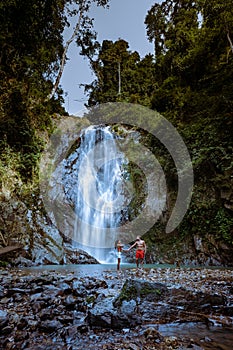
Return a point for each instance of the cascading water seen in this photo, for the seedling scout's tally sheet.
(97, 191)
(100, 182)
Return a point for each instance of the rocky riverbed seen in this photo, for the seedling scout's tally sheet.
(154, 308)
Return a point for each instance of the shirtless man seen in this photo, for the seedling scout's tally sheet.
(141, 250)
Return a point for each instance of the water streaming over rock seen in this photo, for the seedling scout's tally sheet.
(99, 184)
(96, 190)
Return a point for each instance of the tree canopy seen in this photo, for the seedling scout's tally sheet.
(121, 75)
(32, 57)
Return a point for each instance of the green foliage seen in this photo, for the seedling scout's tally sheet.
(223, 221)
(207, 216)
(137, 179)
(9, 168)
(195, 93)
(18, 171)
(31, 42)
(121, 75)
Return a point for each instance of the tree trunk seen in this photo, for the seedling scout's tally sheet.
(63, 60)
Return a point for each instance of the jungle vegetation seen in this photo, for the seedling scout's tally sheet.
(188, 79)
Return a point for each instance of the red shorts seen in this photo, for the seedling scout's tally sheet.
(140, 254)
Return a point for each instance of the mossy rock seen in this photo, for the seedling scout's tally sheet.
(140, 290)
(4, 263)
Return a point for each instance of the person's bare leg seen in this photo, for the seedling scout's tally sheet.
(118, 264)
(139, 262)
(142, 263)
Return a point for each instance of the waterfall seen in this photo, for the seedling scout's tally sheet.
(98, 186)
(98, 192)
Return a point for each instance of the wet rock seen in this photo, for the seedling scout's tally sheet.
(140, 290)
(2, 294)
(128, 307)
(23, 262)
(50, 326)
(23, 322)
(115, 311)
(70, 302)
(77, 256)
(21, 336)
(64, 288)
(152, 333)
(105, 314)
(101, 314)
(133, 346)
(14, 291)
(6, 330)
(65, 319)
(4, 318)
(94, 283)
(5, 300)
(78, 288)
(32, 324)
(46, 314)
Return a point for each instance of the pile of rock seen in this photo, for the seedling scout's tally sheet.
(58, 310)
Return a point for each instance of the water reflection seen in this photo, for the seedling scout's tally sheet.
(210, 337)
(90, 269)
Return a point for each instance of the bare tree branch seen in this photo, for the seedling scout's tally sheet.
(3, 239)
(119, 78)
(229, 39)
(84, 6)
(63, 60)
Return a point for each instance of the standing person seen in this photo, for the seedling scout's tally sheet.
(118, 247)
(140, 251)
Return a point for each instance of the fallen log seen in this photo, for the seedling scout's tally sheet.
(9, 249)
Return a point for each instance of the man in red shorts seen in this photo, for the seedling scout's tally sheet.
(141, 250)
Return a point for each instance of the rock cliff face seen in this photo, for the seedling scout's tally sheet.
(29, 226)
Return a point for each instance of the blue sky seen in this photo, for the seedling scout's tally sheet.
(124, 19)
